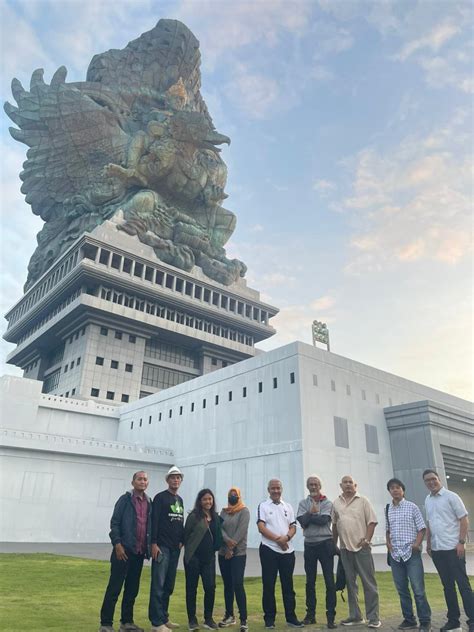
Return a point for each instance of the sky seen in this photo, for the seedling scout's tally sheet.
(350, 168)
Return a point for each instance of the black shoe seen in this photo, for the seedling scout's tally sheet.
(332, 625)
(425, 627)
(406, 624)
(309, 620)
(193, 625)
(210, 624)
(244, 626)
(451, 626)
(294, 623)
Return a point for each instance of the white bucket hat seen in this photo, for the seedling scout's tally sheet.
(174, 470)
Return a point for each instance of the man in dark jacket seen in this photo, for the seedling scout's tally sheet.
(130, 533)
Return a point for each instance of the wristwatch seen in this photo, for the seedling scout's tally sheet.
(462, 541)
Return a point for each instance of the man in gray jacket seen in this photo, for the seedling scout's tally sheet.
(314, 515)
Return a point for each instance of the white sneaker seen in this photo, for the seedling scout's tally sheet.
(171, 626)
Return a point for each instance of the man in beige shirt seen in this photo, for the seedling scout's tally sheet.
(354, 523)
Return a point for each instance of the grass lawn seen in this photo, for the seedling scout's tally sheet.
(50, 592)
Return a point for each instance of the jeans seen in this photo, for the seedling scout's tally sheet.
(452, 571)
(324, 553)
(207, 571)
(122, 571)
(232, 572)
(272, 564)
(163, 576)
(411, 570)
(361, 563)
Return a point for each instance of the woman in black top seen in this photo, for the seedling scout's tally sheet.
(202, 538)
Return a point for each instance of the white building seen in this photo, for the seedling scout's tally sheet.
(286, 413)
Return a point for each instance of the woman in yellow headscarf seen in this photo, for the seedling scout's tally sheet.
(233, 556)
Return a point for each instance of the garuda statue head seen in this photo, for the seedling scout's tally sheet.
(135, 137)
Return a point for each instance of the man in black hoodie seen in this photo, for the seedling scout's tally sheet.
(130, 534)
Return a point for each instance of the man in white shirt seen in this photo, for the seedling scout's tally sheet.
(277, 524)
(448, 525)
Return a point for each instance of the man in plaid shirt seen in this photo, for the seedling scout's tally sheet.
(405, 530)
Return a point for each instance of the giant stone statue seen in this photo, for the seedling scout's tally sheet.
(134, 141)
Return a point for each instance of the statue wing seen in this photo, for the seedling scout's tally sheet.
(72, 132)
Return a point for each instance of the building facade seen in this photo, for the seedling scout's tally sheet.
(111, 322)
(287, 413)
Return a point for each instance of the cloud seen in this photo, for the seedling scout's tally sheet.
(253, 93)
(414, 202)
(324, 187)
(225, 27)
(433, 40)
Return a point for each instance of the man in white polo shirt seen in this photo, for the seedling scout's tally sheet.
(448, 525)
(277, 525)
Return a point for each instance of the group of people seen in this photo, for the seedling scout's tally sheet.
(141, 528)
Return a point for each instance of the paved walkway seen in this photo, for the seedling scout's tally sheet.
(101, 551)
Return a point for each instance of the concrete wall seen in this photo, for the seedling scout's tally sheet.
(61, 467)
(242, 441)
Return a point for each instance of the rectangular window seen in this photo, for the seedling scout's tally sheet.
(244, 391)
(364, 396)
(216, 401)
(104, 331)
(132, 339)
(78, 361)
(95, 392)
(192, 407)
(160, 416)
(72, 366)
(204, 403)
(214, 361)
(73, 392)
(118, 335)
(371, 439)
(66, 368)
(292, 378)
(170, 414)
(341, 432)
(99, 360)
(348, 389)
(260, 387)
(129, 368)
(131, 425)
(275, 382)
(67, 393)
(125, 398)
(110, 395)
(333, 385)
(149, 420)
(180, 410)
(141, 422)
(315, 379)
(230, 396)
(114, 364)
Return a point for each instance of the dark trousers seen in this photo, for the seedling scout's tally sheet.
(452, 571)
(194, 569)
(324, 553)
(122, 571)
(232, 572)
(274, 563)
(163, 577)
